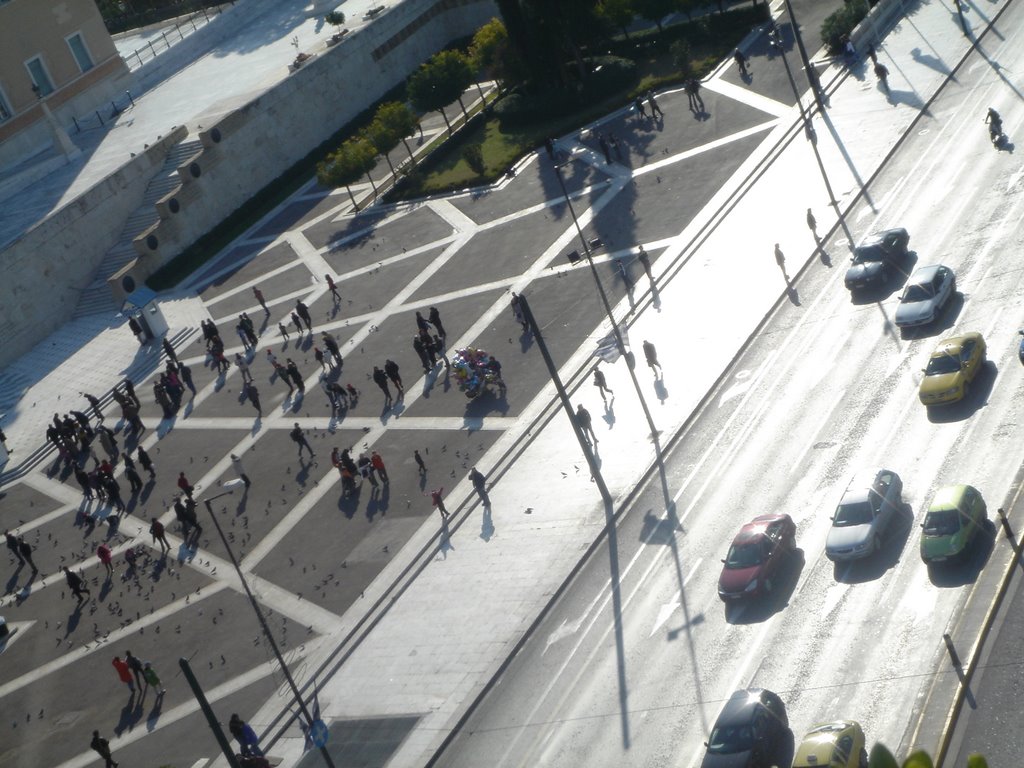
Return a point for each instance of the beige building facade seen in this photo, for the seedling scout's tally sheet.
(57, 53)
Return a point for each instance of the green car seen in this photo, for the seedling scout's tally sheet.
(954, 519)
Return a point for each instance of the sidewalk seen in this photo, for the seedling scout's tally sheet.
(441, 643)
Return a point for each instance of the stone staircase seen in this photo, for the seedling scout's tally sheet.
(96, 298)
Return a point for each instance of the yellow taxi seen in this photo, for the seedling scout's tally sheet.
(839, 744)
(952, 367)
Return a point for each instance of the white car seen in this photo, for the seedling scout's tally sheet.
(868, 506)
(928, 291)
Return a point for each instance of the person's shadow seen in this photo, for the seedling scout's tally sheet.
(487, 524)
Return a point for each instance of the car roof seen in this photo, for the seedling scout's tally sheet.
(816, 747)
(860, 484)
(758, 526)
(740, 707)
(952, 345)
(924, 274)
(948, 496)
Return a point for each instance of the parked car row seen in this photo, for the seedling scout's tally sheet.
(753, 725)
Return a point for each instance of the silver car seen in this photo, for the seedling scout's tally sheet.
(868, 506)
(928, 291)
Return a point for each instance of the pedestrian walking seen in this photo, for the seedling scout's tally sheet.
(169, 350)
(421, 352)
(319, 356)
(136, 667)
(303, 311)
(107, 558)
(283, 329)
(435, 320)
(156, 530)
(182, 516)
(76, 583)
(113, 491)
(95, 404)
(378, 465)
(246, 737)
(108, 441)
(693, 94)
(549, 147)
(601, 384)
(332, 346)
(614, 142)
(136, 328)
(517, 312)
(429, 348)
(391, 369)
(124, 672)
(297, 322)
(479, 481)
(638, 102)
(645, 262)
(101, 746)
(366, 469)
(12, 545)
(883, 75)
(152, 679)
(439, 348)
(243, 336)
(299, 437)
(651, 355)
(146, 462)
(419, 461)
(741, 62)
(437, 500)
(259, 297)
(780, 259)
(129, 471)
(586, 424)
(333, 288)
(186, 376)
(236, 464)
(83, 480)
(812, 224)
(655, 109)
(871, 54)
(381, 380)
(25, 550)
(244, 368)
(296, 377)
(185, 486)
(603, 143)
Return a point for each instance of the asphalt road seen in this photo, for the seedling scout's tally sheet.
(632, 669)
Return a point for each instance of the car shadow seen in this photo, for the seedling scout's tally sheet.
(894, 541)
(756, 611)
(977, 397)
(785, 750)
(966, 569)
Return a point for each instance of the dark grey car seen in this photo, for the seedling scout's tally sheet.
(877, 259)
(748, 732)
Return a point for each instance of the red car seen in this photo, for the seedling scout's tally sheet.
(757, 552)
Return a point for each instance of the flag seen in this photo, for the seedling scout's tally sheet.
(608, 348)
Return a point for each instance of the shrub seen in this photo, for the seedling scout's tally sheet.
(841, 23)
(474, 157)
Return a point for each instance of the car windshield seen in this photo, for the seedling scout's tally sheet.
(743, 555)
(917, 293)
(858, 513)
(731, 738)
(868, 253)
(944, 363)
(942, 522)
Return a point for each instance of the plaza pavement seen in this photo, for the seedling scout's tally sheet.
(402, 620)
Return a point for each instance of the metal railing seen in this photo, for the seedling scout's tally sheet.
(172, 34)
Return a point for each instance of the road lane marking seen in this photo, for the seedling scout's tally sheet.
(667, 609)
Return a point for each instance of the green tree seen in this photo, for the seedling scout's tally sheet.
(491, 53)
(618, 13)
(655, 10)
(383, 138)
(682, 57)
(347, 164)
(439, 82)
(400, 120)
(474, 157)
(545, 34)
(335, 18)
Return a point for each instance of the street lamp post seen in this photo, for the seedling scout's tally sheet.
(630, 362)
(263, 622)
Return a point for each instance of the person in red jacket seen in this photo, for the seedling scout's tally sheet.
(124, 672)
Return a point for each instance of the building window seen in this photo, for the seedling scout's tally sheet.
(5, 108)
(77, 45)
(40, 77)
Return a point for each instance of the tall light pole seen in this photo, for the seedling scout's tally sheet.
(630, 361)
(259, 615)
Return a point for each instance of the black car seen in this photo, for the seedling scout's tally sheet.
(877, 258)
(748, 733)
